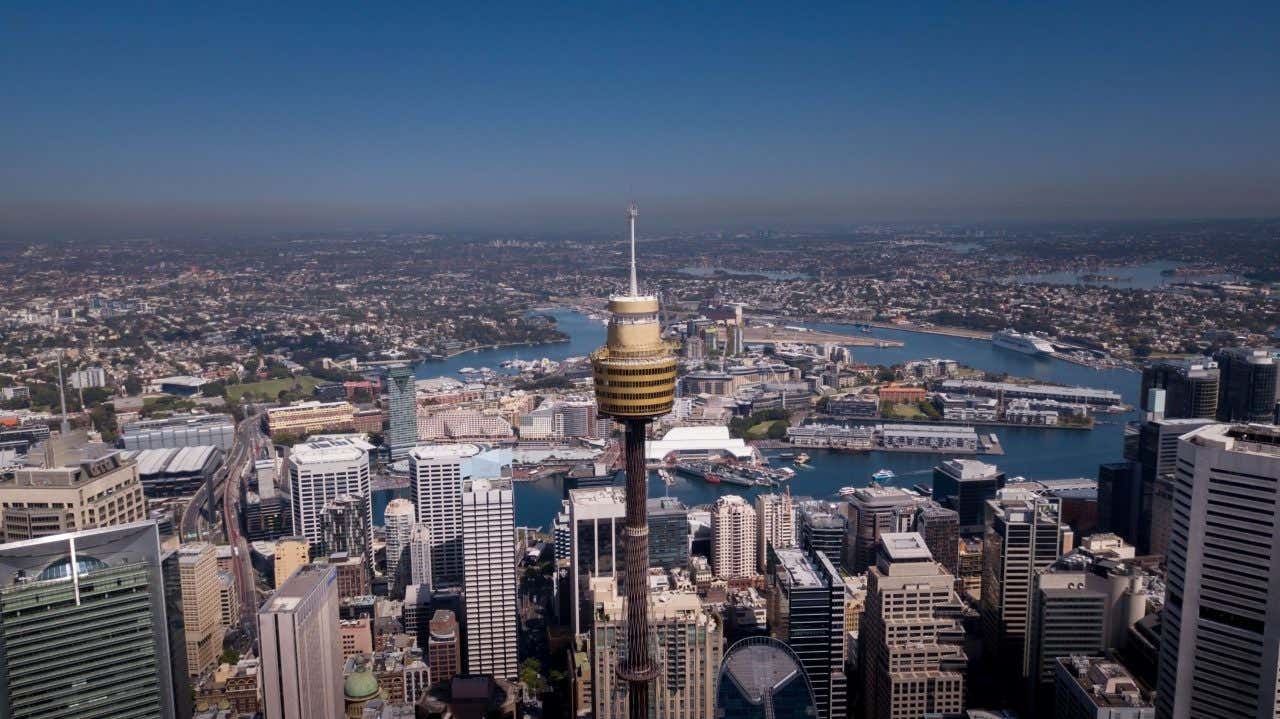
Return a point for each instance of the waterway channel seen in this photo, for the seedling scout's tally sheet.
(1033, 453)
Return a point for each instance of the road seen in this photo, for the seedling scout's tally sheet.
(189, 525)
(249, 445)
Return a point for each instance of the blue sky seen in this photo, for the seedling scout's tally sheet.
(230, 117)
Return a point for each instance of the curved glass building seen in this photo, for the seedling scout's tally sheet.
(761, 677)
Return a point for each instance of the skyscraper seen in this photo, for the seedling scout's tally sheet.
(733, 340)
(776, 525)
(965, 485)
(806, 610)
(635, 382)
(183, 702)
(733, 538)
(668, 533)
(1025, 534)
(489, 568)
(595, 535)
(402, 411)
(874, 511)
(761, 678)
(398, 519)
(420, 555)
(300, 647)
(436, 473)
(201, 605)
(911, 637)
(321, 471)
(444, 653)
(1247, 388)
(345, 527)
(1081, 606)
(1191, 387)
(687, 636)
(40, 502)
(940, 528)
(1155, 455)
(292, 554)
(821, 528)
(72, 608)
(1119, 498)
(1220, 632)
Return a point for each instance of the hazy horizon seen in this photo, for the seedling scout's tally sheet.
(239, 120)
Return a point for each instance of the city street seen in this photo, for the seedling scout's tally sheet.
(250, 444)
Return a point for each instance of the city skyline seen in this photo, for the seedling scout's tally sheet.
(254, 121)
(943, 381)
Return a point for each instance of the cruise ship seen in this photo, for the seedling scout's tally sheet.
(1018, 342)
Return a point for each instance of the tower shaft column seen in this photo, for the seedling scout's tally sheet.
(637, 667)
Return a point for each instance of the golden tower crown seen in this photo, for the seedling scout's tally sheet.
(635, 371)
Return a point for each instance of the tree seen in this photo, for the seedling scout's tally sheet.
(531, 674)
(778, 430)
(132, 385)
(929, 410)
(103, 418)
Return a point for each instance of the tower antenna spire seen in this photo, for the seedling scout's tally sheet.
(632, 213)
(62, 397)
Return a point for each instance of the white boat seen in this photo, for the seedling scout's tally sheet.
(883, 475)
(1024, 343)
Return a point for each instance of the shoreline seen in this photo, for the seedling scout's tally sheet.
(498, 346)
(953, 423)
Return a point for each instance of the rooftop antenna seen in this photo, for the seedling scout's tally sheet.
(62, 396)
(632, 213)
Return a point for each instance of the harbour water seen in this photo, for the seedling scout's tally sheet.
(1035, 454)
(1144, 277)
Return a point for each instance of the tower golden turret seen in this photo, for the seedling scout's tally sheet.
(635, 382)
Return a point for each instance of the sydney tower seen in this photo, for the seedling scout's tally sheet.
(635, 379)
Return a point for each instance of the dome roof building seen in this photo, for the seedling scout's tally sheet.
(360, 688)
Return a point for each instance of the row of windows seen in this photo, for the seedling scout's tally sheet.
(641, 372)
(648, 383)
(633, 395)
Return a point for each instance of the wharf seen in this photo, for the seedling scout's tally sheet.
(773, 335)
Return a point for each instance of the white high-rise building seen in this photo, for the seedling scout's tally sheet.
(398, 519)
(420, 554)
(733, 538)
(489, 553)
(320, 472)
(1220, 631)
(301, 649)
(436, 473)
(775, 525)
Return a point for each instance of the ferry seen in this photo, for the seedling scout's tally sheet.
(1024, 343)
(802, 458)
(883, 475)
